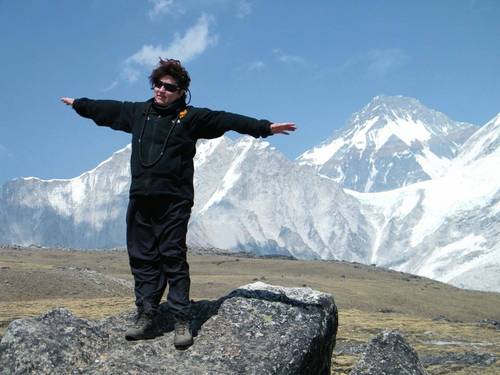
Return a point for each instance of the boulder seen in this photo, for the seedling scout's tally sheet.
(256, 329)
(389, 354)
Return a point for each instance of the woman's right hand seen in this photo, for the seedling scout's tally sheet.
(67, 101)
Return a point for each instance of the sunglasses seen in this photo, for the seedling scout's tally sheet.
(170, 87)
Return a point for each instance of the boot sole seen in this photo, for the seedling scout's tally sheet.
(183, 346)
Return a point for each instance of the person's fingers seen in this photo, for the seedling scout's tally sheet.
(67, 101)
(283, 127)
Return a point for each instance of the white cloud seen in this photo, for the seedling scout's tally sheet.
(381, 61)
(244, 9)
(292, 59)
(283, 57)
(110, 87)
(256, 65)
(377, 62)
(184, 48)
(130, 73)
(160, 7)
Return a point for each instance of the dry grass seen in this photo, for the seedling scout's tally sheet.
(94, 308)
(369, 299)
(428, 337)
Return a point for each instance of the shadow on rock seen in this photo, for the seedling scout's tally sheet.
(257, 328)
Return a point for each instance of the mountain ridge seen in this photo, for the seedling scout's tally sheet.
(250, 197)
(391, 142)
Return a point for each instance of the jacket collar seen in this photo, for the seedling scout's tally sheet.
(172, 108)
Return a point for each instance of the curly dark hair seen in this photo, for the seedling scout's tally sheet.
(174, 69)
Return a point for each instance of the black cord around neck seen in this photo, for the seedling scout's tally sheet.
(146, 116)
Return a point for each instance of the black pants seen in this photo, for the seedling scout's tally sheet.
(156, 244)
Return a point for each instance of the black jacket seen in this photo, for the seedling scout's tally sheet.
(164, 139)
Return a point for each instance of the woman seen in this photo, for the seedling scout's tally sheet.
(164, 133)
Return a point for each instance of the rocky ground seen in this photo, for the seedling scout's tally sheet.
(453, 331)
(256, 329)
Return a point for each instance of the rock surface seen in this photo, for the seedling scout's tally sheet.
(256, 329)
(466, 359)
(389, 354)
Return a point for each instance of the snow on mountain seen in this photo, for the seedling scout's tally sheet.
(482, 143)
(392, 142)
(86, 211)
(248, 196)
(447, 228)
(269, 205)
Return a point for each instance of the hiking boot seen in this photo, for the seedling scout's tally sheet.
(183, 337)
(145, 327)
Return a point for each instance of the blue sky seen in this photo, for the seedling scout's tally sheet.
(313, 63)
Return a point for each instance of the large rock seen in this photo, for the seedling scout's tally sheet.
(389, 354)
(256, 329)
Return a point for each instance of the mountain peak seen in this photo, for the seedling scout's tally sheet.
(389, 135)
(404, 110)
(393, 107)
(394, 101)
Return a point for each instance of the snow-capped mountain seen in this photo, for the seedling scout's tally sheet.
(447, 228)
(264, 203)
(248, 196)
(392, 142)
(83, 212)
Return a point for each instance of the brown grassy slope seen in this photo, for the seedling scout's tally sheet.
(369, 299)
(28, 274)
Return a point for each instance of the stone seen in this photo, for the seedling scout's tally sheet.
(256, 329)
(466, 359)
(490, 323)
(51, 342)
(389, 354)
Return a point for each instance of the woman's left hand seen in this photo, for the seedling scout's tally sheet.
(283, 128)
